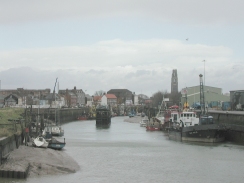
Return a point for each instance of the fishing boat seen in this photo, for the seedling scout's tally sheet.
(160, 116)
(103, 115)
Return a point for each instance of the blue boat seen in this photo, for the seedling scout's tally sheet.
(55, 144)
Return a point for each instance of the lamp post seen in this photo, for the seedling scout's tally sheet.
(204, 71)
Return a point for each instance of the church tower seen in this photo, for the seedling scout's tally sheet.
(174, 82)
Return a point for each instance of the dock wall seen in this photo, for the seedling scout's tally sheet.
(8, 144)
(234, 123)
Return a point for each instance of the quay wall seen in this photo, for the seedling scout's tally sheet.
(234, 122)
(63, 115)
(8, 144)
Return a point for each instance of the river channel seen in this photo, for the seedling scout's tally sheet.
(126, 152)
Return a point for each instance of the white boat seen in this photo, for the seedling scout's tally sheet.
(57, 131)
(144, 122)
(188, 118)
(160, 117)
(40, 142)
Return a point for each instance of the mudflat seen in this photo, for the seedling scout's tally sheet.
(42, 161)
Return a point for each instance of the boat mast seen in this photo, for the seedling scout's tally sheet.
(54, 95)
(202, 100)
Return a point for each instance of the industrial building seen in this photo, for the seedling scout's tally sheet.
(213, 96)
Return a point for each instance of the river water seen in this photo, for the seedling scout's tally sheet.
(126, 152)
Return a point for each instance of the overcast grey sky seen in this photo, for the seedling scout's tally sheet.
(133, 44)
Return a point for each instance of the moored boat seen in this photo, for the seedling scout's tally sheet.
(103, 116)
(144, 122)
(39, 142)
(82, 118)
(152, 128)
(57, 130)
(206, 131)
(191, 128)
(55, 144)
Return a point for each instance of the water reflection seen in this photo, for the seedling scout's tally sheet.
(101, 127)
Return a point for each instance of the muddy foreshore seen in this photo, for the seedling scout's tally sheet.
(41, 161)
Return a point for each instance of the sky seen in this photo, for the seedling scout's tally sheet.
(124, 44)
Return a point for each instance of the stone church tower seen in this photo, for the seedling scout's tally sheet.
(174, 82)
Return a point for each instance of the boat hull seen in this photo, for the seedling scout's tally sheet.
(200, 133)
(82, 118)
(150, 128)
(55, 144)
(103, 117)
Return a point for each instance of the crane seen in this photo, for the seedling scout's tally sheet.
(202, 100)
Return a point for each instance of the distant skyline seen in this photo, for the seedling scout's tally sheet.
(102, 45)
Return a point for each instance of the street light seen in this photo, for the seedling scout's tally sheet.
(204, 71)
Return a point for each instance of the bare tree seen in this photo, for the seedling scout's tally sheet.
(158, 98)
(99, 93)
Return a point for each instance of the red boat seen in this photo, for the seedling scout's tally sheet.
(82, 118)
(152, 128)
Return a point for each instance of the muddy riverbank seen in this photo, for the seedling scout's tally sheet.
(41, 161)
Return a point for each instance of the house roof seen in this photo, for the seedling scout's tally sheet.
(97, 98)
(111, 96)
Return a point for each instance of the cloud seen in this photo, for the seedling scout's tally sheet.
(106, 55)
(188, 11)
(141, 66)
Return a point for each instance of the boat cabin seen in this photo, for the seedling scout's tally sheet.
(185, 118)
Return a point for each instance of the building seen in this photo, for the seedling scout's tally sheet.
(122, 95)
(109, 99)
(74, 97)
(97, 100)
(174, 82)
(89, 100)
(191, 95)
(11, 100)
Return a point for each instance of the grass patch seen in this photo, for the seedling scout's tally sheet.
(7, 127)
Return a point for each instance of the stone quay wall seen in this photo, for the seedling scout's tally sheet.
(234, 122)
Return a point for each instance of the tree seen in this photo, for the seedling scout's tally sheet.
(99, 93)
(158, 98)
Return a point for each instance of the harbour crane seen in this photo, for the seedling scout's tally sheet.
(202, 99)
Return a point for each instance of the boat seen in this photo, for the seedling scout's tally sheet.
(82, 118)
(39, 142)
(57, 130)
(103, 115)
(152, 128)
(55, 144)
(144, 122)
(188, 127)
(160, 116)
